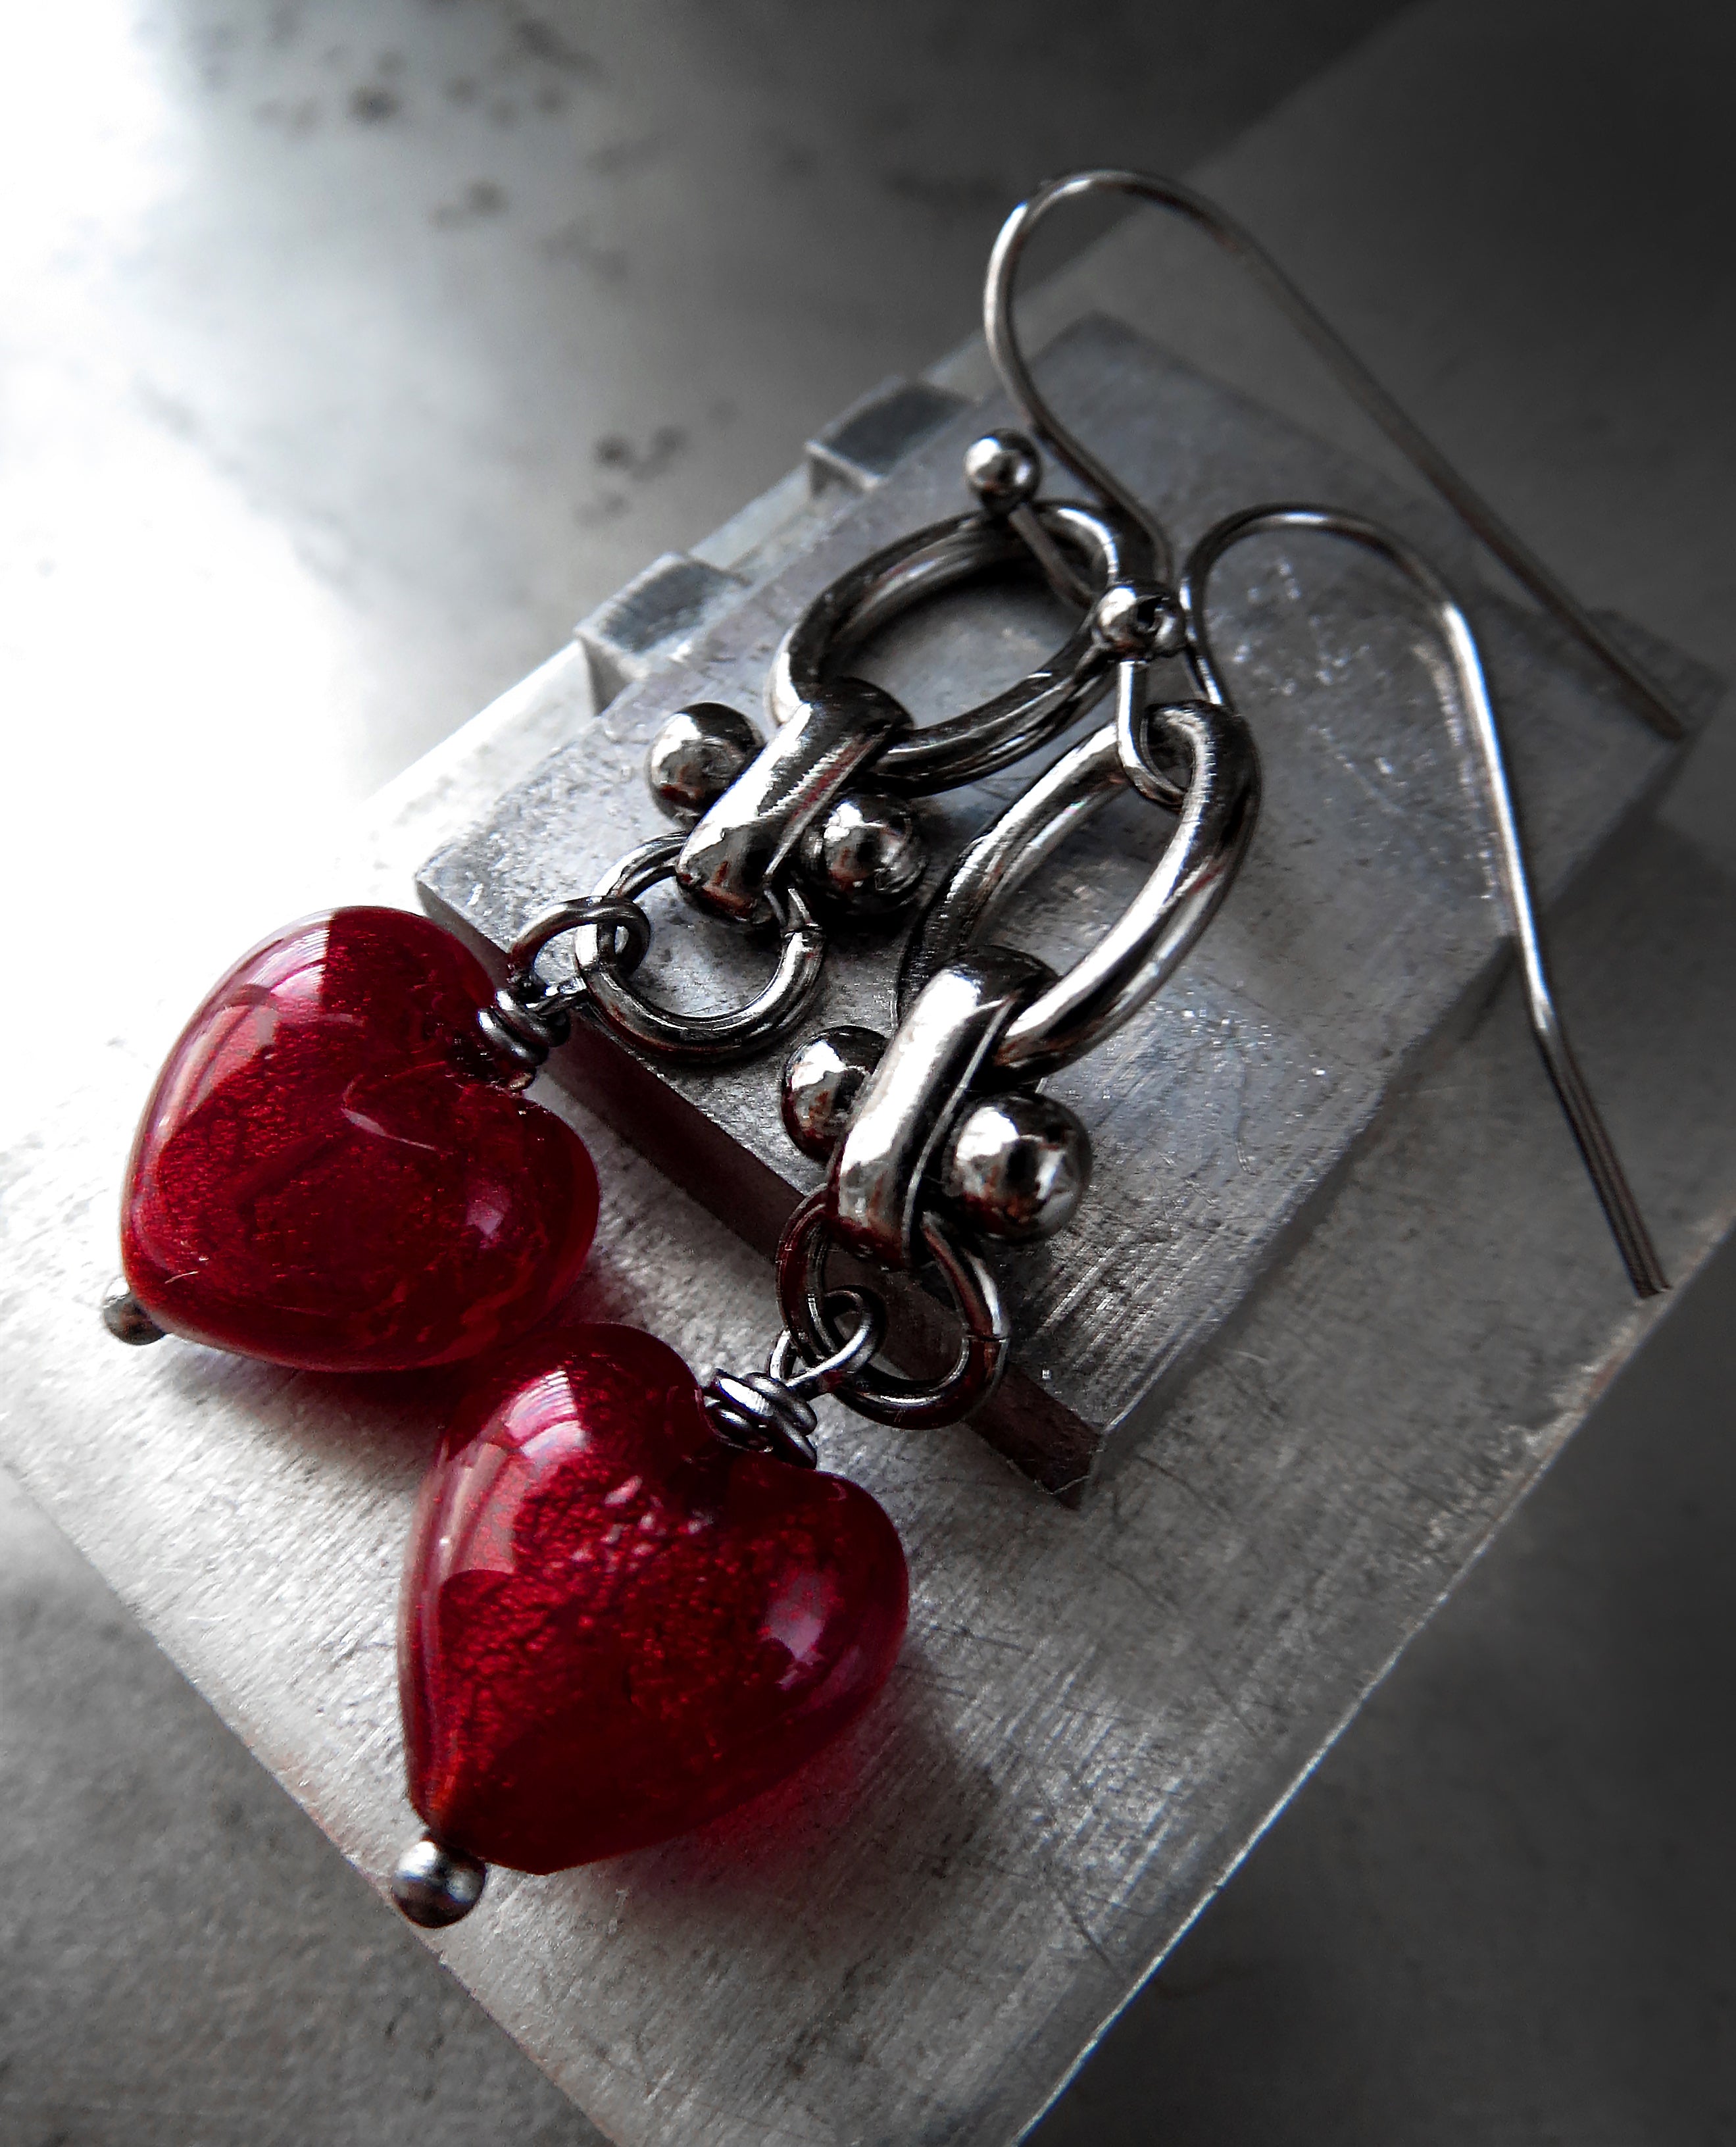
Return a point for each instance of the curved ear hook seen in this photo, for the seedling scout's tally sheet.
(1620, 1208)
(1471, 507)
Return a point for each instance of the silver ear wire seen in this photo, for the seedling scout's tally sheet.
(1354, 376)
(1620, 1208)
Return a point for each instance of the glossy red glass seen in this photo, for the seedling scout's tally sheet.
(328, 1174)
(614, 1626)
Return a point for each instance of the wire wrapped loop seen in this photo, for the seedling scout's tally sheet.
(530, 1017)
(770, 1412)
(759, 1414)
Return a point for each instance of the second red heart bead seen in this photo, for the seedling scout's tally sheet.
(615, 1626)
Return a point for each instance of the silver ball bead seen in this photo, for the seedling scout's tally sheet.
(1004, 469)
(126, 1319)
(865, 857)
(1019, 1168)
(435, 1885)
(822, 1080)
(697, 755)
(1134, 619)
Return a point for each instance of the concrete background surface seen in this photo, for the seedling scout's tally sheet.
(395, 335)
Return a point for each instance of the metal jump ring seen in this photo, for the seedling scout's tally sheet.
(826, 1376)
(883, 1397)
(530, 1017)
(626, 917)
(699, 1039)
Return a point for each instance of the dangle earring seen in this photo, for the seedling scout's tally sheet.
(631, 1600)
(596, 1649)
(335, 1170)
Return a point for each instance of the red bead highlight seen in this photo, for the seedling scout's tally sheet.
(613, 1626)
(329, 1175)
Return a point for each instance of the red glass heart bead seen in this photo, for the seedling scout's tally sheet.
(614, 1626)
(328, 1174)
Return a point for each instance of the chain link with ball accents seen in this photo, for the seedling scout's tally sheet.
(938, 1139)
(932, 1149)
(815, 826)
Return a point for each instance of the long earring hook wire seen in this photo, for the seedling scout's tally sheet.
(1478, 516)
(1622, 1211)
(1603, 1166)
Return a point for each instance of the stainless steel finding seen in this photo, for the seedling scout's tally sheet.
(757, 1414)
(1218, 804)
(613, 913)
(969, 1022)
(1109, 548)
(885, 1397)
(976, 1023)
(916, 1096)
(1408, 437)
(826, 1376)
(830, 729)
(962, 1006)
(1621, 1210)
(696, 1037)
(770, 1411)
(529, 1017)
(743, 841)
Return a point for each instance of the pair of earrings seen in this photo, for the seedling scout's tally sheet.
(631, 1600)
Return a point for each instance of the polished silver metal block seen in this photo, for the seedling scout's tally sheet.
(1362, 928)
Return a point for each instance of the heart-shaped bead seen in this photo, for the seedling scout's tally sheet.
(330, 1174)
(614, 1626)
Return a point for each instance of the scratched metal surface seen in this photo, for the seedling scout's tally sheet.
(1362, 921)
(1096, 1711)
